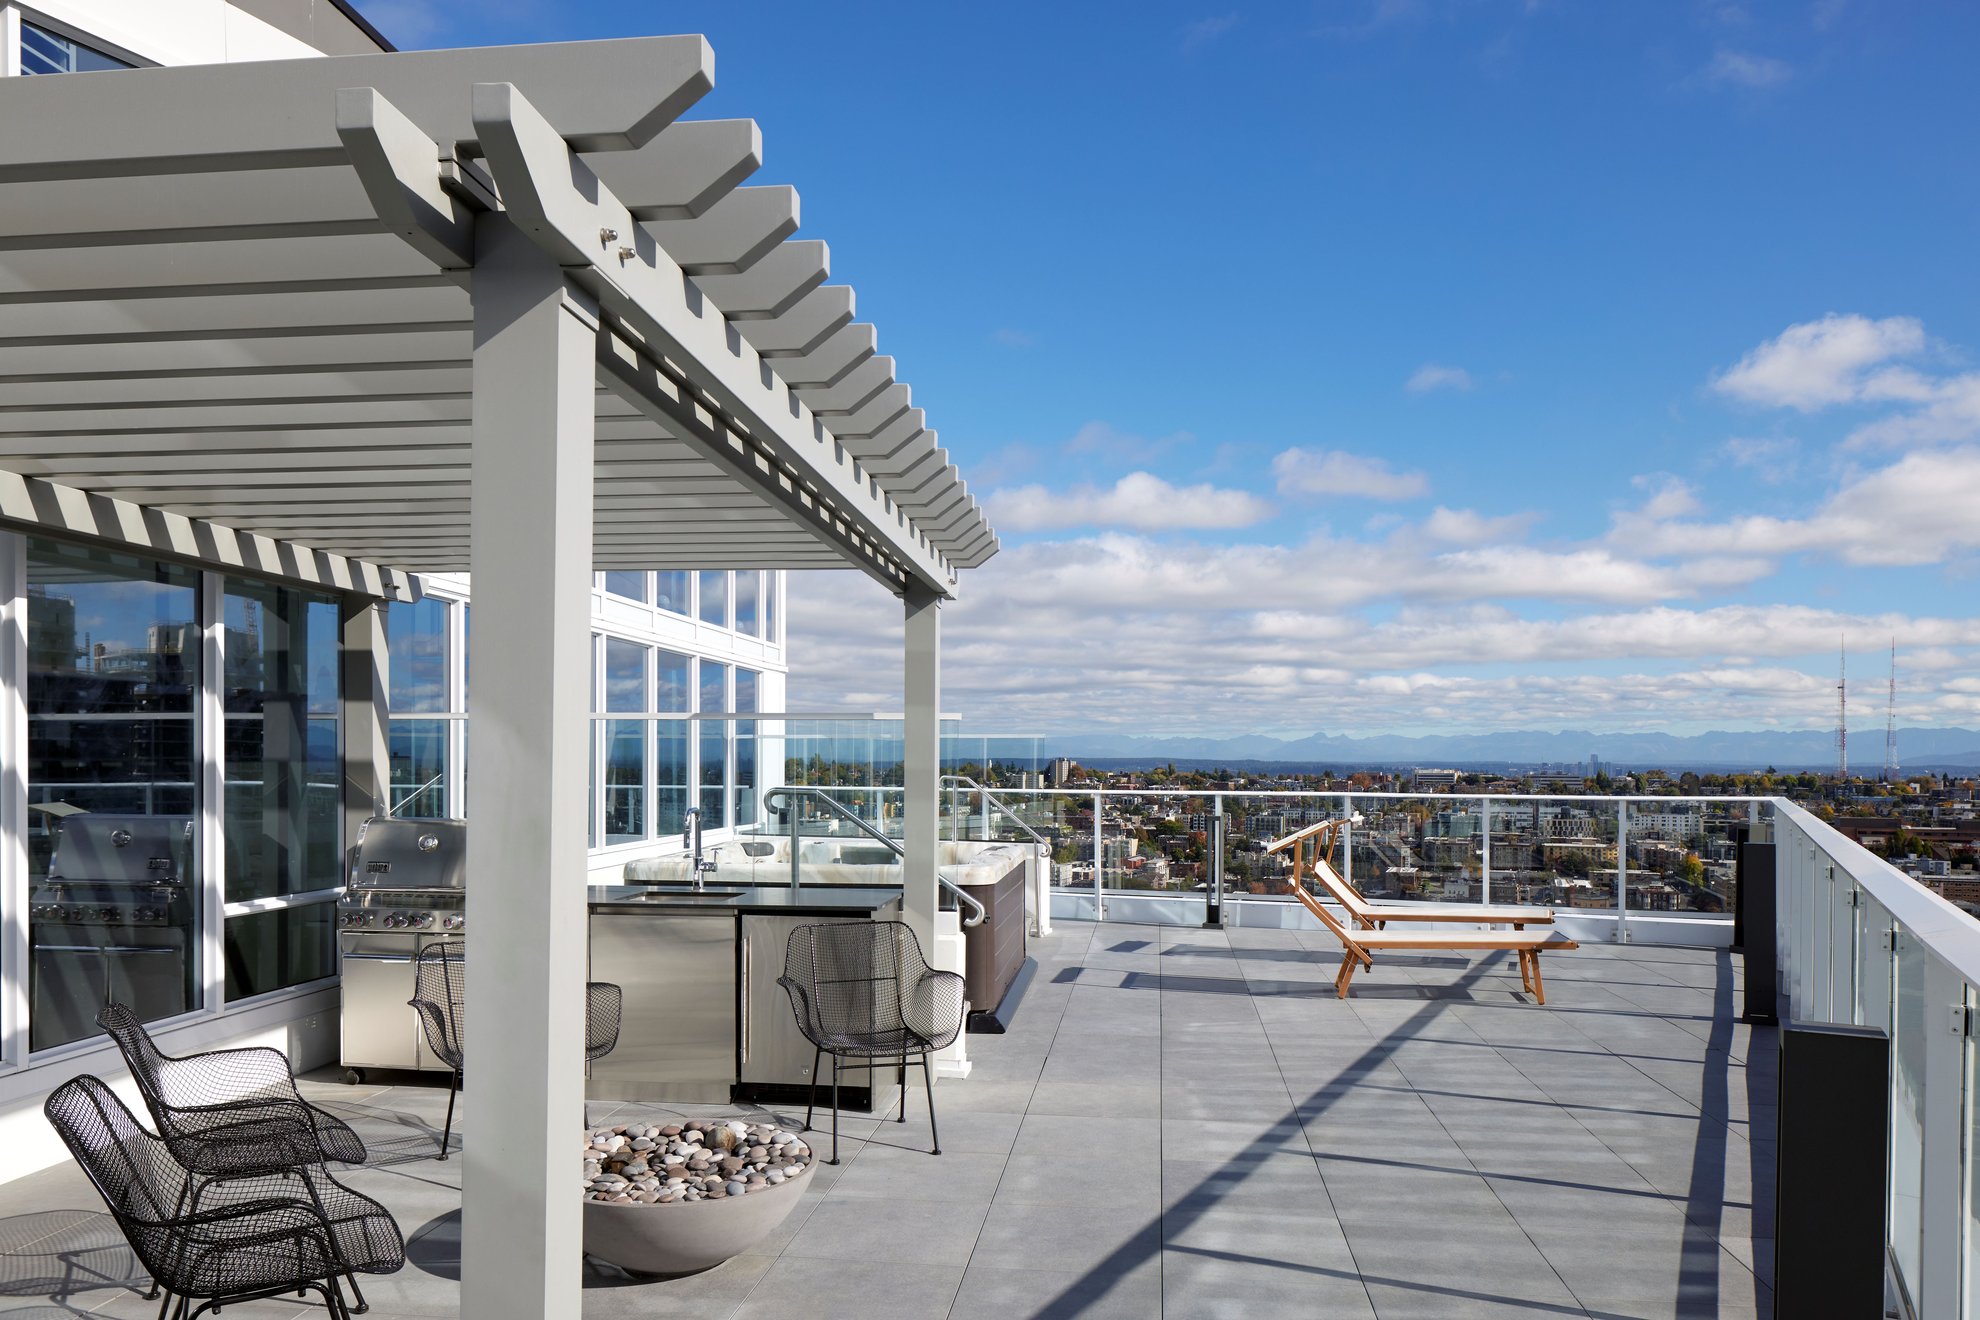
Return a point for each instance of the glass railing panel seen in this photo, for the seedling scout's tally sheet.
(1972, 1171)
(1873, 965)
(1681, 856)
(1908, 1107)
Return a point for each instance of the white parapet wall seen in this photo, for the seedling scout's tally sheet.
(303, 1026)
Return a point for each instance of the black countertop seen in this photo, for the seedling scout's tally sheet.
(812, 900)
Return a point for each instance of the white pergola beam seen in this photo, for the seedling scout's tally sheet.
(797, 332)
(689, 167)
(774, 284)
(851, 391)
(732, 235)
(832, 360)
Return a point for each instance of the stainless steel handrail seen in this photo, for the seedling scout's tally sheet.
(964, 781)
(772, 797)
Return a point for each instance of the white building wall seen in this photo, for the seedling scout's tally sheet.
(169, 31)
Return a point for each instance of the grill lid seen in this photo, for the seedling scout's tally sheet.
(121, 850)
(410, 854)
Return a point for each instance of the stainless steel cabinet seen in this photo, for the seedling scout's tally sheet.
(773, 1051)
(677, 1039)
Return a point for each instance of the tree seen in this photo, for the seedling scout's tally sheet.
(1692, 870)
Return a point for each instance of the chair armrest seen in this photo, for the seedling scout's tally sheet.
(801, 1006)
(933, 1006)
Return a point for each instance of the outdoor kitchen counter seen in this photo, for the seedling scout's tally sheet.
(704, 1019)
(816, 900)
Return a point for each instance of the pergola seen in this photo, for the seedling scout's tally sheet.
(500, 310)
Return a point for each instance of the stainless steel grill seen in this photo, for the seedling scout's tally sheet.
(407, 889)
(113, 920)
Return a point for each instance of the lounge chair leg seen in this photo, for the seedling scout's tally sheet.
(1347, 975)
(811, 1096)
(1539, 991)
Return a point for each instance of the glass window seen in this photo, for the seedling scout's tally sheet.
(419, 768)
(43, 51)
(670, 774)
(625, 675)
(625, 742)
(745, 788)
(631, 586)
(714, 757)
(715, 598)
(273, 950)
(283, 804)
(749, 590)
(416, 634)
(672, 590)
(772, 595)
(114, 649)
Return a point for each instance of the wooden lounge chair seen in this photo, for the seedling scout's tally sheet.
(1313, 845)
(1359, 945)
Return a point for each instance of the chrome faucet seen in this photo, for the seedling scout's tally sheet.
(691, 841)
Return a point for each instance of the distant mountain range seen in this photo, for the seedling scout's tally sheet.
(1730, 749)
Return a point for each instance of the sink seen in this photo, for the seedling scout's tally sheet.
(712, 896)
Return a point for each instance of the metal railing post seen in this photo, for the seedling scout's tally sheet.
(794, 809)
(1347, 839)
(1485, 827)
(1213, 914)
(1622, 871)
(1099, 856)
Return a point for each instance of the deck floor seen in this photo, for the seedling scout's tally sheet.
(1187, 1123)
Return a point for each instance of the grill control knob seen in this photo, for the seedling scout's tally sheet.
(456, 922)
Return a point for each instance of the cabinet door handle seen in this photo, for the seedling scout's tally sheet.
(743, 990)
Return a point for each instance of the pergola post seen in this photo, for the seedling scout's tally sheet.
(535, 355)
(921, 759)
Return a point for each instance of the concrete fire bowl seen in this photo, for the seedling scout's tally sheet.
(685, 1236)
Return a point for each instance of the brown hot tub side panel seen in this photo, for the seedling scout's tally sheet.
(993, 952)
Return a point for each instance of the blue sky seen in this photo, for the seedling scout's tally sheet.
(1398, 365)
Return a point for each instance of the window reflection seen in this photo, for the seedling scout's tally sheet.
(714, 776)
(628, 586)
(670, 771)
(749, 587)
(715, 598)
(114, 648)
(671, 590)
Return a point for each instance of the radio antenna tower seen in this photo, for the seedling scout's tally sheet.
(1890, 724)
(1842, 711)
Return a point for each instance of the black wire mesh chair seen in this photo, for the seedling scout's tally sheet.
(440, 999)
(228, 1112)
(219, 1242)
(862, 990)
(604, 1006)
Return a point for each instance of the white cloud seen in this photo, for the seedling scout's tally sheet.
(1140, 501)
(1335, 472)
(1027, 661)
(1435, 376)
(1738, 69)
(1916, 512)
(1669, 496)
(1817, 364)
(1469, 527)
(1109, 441)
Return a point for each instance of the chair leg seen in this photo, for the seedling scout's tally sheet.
(927, 1080)
(447, 1132)
(357, 1305)
(811, 1094)
(835, 1111)
(1539, 991)
(903, 1086)
(162, 1306)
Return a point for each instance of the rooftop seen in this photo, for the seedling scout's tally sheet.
(1188, 1123)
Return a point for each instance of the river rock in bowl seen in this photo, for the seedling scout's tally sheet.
(633, 1215)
